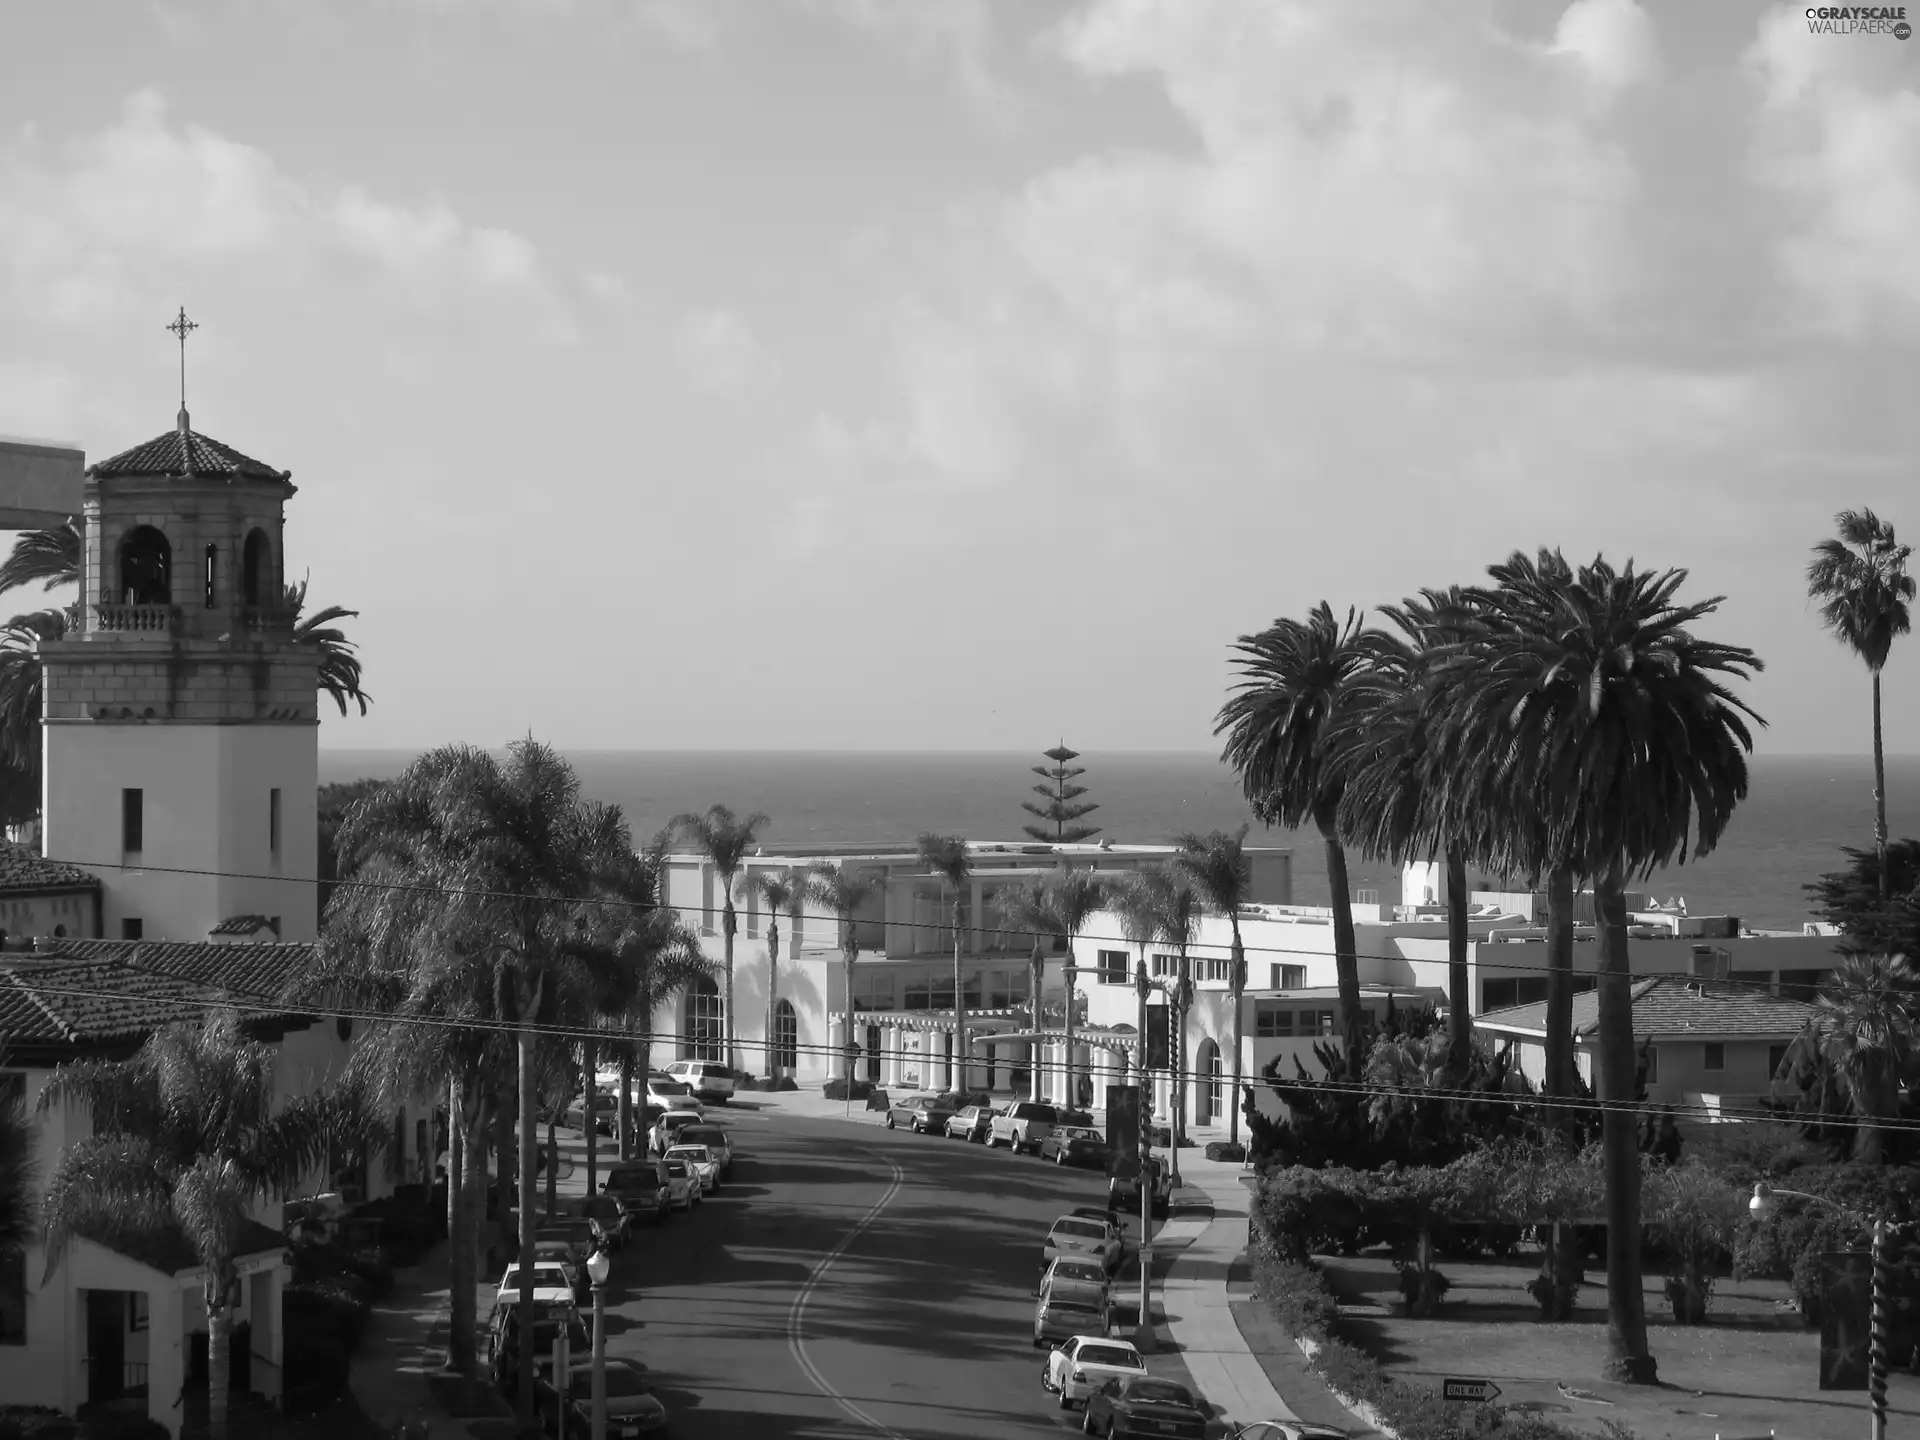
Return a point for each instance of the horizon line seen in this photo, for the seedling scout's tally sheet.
(956, 750)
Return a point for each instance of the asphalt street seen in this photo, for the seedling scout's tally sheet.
(850, 1283)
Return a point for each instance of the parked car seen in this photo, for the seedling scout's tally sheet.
(1058, 1316)
(671, 1094)
(552, 1288)
(1090, 1239)
(632, 1407)
(675, 1123)
(574, 1231)
(719, 1148)
(640, 1187)
(1125, 1193)
(1074, 1274)
(603, 1212)
(705, 1078)
(558, 1252)
(1083, 1364)
(923, 1114)
(1022, 1126)
(700, 1160)
(683, 1186)
(606, 1110)
(972, 1123)
(1145, 1405)
(503, 1343)
(1074, 1145)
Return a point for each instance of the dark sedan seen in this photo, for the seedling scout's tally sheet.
(1076, 1146)
(924, 1114)
(973, 1124)
(1144, 1405)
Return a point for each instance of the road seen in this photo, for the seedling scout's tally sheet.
(849, 1282)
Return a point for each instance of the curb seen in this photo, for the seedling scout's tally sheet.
(1359, 1409)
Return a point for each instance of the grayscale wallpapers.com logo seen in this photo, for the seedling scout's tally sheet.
(1859, 20)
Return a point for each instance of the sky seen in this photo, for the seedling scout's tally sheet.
(925, 374)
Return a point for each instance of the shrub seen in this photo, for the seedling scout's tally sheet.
(786, 1082)
(836, 1089)
(35, 1422)
(1226, 1150)
(316, 1374)
(367, 1272)
(119, 1425)
(324, 1310)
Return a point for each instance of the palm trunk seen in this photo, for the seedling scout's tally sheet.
(1068, 1097)
(624, 1107)
(1880, 797)
(466, 1140)
(455, 1139)
(1459, 982)
(1036, 980)
(553, 1170)
(1628, 1360)
(729, 924)
(590, 1062)
(773, 994)
(959, 1068)
(847, 958)
(219, 1356)
(1239, 1028)
(505, 1163)
(1346, 964)
(1559, 1058)
(1179, 1060)
(529, 1147)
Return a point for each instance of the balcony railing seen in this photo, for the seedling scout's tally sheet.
(266, 619)
(152, 619)
(133, 1375)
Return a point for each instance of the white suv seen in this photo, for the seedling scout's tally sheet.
(1023, 1126)
(707, 1079)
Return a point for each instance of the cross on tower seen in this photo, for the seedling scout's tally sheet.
(182, 327)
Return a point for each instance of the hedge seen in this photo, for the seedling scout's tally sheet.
(316, 1374)
(324, 1309)
(35, 1422)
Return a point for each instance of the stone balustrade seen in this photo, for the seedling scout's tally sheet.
(159, 619)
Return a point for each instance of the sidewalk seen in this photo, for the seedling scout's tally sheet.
(405, 1343)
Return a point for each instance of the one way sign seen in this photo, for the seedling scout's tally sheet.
(1468, 1390)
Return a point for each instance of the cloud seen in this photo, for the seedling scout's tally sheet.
(116, 212)
(720, 355)
(1613, 41)
(955, 35)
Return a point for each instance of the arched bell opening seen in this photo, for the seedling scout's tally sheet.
(146, 567)
(256, 569)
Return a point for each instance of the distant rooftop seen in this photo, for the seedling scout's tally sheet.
(1670, 1006)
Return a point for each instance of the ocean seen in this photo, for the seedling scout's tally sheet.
(1800, 809)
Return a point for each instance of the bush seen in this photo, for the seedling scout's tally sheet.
(836, 1089)
(323, 1310)
(35, 1422)
(1226, 1150)
(316, 1374)
(786, 1082)
(118, 1425)
(368, 1272)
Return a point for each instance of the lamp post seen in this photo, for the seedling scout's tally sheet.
(599, 1265)
(1143, 1324)
(1880, 1334)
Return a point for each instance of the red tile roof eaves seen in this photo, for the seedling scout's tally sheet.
(1665, 1005)
(167, 455)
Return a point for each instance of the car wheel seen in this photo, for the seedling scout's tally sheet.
(1086, 1423)
(888, 1122)
(1059, 1157)
(1065, 1402)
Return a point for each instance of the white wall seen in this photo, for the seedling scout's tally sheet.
(41, 915)
(206, 821)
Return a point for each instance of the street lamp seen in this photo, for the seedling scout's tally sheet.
(599, 1266)
(1880, 1335)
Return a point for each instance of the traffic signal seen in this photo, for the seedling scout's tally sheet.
(1123, 1127)
(1159, 1038)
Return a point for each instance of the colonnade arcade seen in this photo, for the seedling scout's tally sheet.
(913, 1050)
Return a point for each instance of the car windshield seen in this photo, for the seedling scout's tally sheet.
(544, 1277)
(1080, 1229)
(1083, 1134)
(1164, 1391)
(687, 1154)
(1033, 1112)
(677, 1168)
(695, 1136)
(633, 1180)
(668, 1087)
(1113, 1356)
(1074, 1307)
(1076, 1270)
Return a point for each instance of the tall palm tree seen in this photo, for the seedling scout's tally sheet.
(1611, 721)
(1075, 897)
(779, 891)
(48, 558)
(1026, 909)
(843, 894)
(1177, 906)
(1867, 1035)
(1298, 678)
(185, 1140)
(947, 857)
(1218, 868)
(1860, 579)
(724, 839)
(21, 701)
(339, 665)
(1134, 903)
(504, 857)
(19, 1174)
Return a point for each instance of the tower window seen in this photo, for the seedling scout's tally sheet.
(146, 567)
(273, 821)
(213, 567)
(256, 568)
(131, 928)
(133, 820)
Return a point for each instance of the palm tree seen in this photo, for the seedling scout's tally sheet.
(502, 859)
(947, 857)
(1298, 680)
(1026, 909)
(1075, 897)
(1219, 870)
(842, 894)
(1133, 901)
(19, 1174)
(779, 891)
(48, 558)
(1177, 905)
(724, 840)
(1608, 719)
(1860, 577)
(185, 1140)
(1867, 1035)
(339, 666)
(21, 702)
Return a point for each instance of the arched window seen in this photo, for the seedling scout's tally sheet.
(786, 1037)
(146, 568)
(256, 568)
(703, 1021)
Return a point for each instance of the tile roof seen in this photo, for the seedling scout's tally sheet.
(168, 1251)
(1670, 1005)
(242, 925)
(25, 869)
(256, 971)
(168, 454)
(79, 1004)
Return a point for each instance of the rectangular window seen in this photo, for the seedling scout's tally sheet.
(213, 555)
(1715, 1057)
(919, 992)
(1271, 1022)
(131, 928)
(1653, 1065)
(133, 821)
(273, 924)
(1289, 977)
(1113, 967)
(1166, 966)
(1776, 1057)
(999, 997)
(273, 820)
(1312, 1023)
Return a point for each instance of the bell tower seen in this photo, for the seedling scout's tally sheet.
(181, 719)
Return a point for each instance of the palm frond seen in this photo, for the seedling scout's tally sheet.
(107, 1188)
(44, 557)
